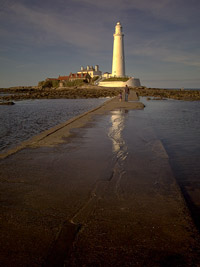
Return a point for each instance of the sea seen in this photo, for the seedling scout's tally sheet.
(27, 118)
(175, 122)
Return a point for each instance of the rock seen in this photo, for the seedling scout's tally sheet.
(7, 103)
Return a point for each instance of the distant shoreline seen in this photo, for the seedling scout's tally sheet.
(90, 91)
(162, 94)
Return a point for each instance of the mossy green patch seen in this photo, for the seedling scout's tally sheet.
(116, 79)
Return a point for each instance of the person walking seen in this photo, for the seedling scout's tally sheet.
(126, 92)
(120, 96)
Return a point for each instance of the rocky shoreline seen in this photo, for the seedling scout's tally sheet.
(161, 94)
(68, 93)
(9, 103)
(89, 91)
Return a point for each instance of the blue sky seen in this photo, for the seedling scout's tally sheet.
(49, 38)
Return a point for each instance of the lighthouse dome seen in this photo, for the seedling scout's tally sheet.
(118, 28)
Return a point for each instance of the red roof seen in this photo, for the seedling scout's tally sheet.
(72, 76)
(77, 75)
(63, 78)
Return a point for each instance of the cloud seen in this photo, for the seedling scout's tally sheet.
(179, 11)
(89, 24)
(47, 26)
(160, 52)
(156, 31)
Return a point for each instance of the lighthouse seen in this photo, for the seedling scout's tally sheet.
(118, 63)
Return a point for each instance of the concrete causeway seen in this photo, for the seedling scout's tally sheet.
(95, 191)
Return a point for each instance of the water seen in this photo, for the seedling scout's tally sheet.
(30, 117)
(177, 125)
(181, 88)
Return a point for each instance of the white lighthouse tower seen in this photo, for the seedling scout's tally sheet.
(118, 63)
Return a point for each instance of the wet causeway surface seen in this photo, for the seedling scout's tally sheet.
(107, 197)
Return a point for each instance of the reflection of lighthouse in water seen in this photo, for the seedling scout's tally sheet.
(120, 151)
(115, 134)
(118, 64)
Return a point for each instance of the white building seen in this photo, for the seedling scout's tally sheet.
(92, 71)
(118, 63)
(131, 82)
